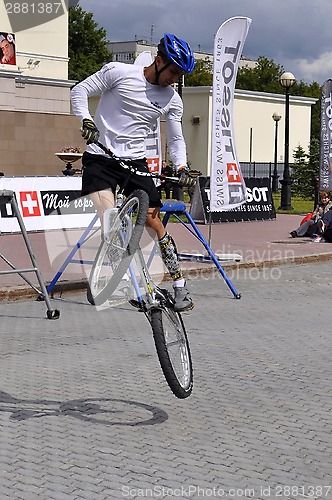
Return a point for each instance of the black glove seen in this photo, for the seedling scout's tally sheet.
(89, 131)
(184, 178)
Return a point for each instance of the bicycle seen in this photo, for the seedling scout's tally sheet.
(122, 230)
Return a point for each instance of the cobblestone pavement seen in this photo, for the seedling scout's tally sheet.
(85, 412)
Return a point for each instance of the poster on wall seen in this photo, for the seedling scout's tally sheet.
(7, 48)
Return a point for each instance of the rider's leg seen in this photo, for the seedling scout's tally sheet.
(102, 200)
(170, 258)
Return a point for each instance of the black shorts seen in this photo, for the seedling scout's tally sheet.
(100, 172)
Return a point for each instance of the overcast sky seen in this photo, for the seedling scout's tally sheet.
(294, 33)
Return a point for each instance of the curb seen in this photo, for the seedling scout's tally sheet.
(20, 292)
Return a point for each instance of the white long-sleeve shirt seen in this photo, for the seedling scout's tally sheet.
(128, 110)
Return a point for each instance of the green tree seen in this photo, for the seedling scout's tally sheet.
(305, 170)
(87, 45)
(202, 74)
(264, 77)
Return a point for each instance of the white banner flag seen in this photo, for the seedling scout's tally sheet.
(325, 163)
(228, 189)
(153, 142)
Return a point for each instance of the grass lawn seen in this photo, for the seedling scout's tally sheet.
(300, 206)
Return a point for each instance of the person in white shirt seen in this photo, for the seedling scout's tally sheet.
(132, 99)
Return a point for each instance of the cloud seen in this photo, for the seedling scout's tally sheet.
(320, 68)
(294, 33)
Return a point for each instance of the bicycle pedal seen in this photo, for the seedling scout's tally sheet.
(137, 304)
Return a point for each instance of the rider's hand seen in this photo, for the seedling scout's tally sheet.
(184, 178)
(89, 131)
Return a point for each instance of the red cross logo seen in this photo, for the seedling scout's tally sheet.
(233, 174)
(153, 164)
(29, 203)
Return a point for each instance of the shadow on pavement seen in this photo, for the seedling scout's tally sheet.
(99, 411)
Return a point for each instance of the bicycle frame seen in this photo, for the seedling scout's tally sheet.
(146, 281)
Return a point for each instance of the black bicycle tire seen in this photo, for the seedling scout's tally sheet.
(155, 317)
(133, 244)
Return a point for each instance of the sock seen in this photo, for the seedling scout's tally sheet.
(170, 256)
(179, 283)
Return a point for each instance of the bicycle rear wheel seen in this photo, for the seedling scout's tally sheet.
(173, 349)
(118, 248)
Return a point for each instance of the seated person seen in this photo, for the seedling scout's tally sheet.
(310, 227)
(324, 228)
(165, 184)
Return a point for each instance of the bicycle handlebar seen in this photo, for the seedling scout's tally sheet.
(106, 150)
(143, 174)
(150, 174)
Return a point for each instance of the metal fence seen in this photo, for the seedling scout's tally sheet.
(255, 169)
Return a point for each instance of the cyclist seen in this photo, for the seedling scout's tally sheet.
(132, 98)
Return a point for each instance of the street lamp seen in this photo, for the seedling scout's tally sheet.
(286, 80)
(275, 175)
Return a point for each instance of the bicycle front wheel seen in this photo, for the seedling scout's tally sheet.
(118, 248)
(173, 349)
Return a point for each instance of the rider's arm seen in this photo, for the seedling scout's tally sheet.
(175, 139)
(94, 85)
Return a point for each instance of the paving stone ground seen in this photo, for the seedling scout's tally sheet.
(85, 412)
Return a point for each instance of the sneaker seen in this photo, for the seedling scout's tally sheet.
(317, 239)
(182, 299)
(293, 234)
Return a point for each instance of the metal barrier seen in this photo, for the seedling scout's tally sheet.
(177, 209)
(7, 196)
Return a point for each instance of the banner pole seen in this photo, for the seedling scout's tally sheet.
(227, 186)
(210, 230)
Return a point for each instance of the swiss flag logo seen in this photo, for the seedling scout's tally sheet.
(153, 164)
(233, 174)
(29, 203)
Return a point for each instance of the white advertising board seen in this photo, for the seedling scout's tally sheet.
(45, 203)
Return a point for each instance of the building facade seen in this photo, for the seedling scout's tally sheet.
(36, 119)
(254, 127)
(35, 110)
(128, 51)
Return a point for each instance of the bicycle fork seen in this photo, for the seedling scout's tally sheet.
(149, 299)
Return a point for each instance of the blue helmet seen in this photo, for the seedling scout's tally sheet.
(177, 51)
